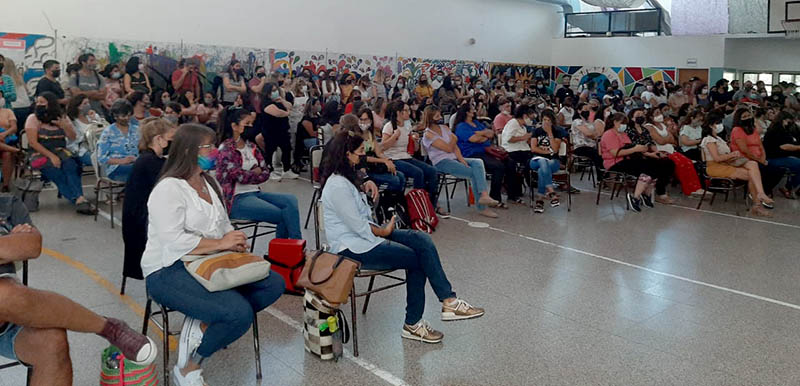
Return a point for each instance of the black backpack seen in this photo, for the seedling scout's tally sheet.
(392, 203)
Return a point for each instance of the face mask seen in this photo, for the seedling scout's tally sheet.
(165, 150)
(607, 114)
(658, 118)
(639, 120)
(649, 88)
(356, 99)
(141, 67)
(240, 72)
(165, 101)
(440, 121)
(585, 114)
(56, 73)
(401, 84)
(614, 87)
(275, 95)
(407, 123)
(423, 81)
(116, 75)
(123, 122)
(622, 128)
(541, 106)
(82, 109)
(364, 126)
(439, 78)
(748, 122)
(207, 162)
(91, 66)
(208, 101)
(510, 84)
(628, 102)
(479, 85)
(260, 75)
(539, 86)
(173, 119)
(719, 127)
(250, 133)
(528, 122)
(304, 89)
(41, 112)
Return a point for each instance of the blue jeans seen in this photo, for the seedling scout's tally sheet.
(308, 142)
(425, 176)
(121, 173)
(228, 314)
(415, 252)
(475, 172)
(545, 168)
(394, 182)
(275, 208)
(67, 178)
(791, 163)
(84, 161)
(7, 340)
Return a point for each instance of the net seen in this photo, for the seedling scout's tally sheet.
(792, 28)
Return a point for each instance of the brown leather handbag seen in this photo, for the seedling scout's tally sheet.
(329, 276)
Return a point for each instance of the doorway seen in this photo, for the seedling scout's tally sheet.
(684, 74)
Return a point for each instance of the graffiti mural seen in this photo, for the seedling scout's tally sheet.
(38, 49)
(627, 77)
(521, 72)
(412, 68)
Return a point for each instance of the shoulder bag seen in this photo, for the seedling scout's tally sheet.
(329, 276)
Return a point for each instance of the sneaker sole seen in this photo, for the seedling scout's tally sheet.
(410, 336)
(151, 355)
(449, 316)
(183, 344)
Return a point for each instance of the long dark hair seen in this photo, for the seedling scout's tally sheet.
(461, 114)
(228, 117)
(330, 113)
(334, 157)
(185, 148)
(737, 120)
(393, 111)
(616, 117)
(712, 119)
(132, 66)
(777, 124)
(53, 108)
(73, 106)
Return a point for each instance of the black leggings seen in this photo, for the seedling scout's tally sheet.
(660, 169)
(273, 141)
(501, 170)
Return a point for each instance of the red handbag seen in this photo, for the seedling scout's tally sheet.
(412, 145)
(496, 152)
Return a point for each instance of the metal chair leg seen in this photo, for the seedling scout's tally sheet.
(255, 233)
(355, 320)
(311, 207)
(599, 189)
(148, 307)
(257, 347)
(165, 318)
(96, 198)
(366, 298)
(111, 205)
(122, 289)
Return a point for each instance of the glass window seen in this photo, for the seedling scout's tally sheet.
(750, 76)
(789, 78)
(729, 75)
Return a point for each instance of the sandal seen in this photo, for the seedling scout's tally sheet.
(786, 193)
(539, 207)
(518, 200)
(554, 199)
(86, 208)
(501, 205)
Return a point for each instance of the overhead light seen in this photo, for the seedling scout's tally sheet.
(615, 3)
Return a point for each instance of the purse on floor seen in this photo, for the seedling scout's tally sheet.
(329, 276)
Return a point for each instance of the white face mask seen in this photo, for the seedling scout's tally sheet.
(622, 128)
(541, 106)
(304, 89)
(528, 122)
(704, 91)
(649, 88)
(658, 118)
(407, 123)
(628, 102)
(719, 128)
(2, 102)
(364, 126)
(401, 84)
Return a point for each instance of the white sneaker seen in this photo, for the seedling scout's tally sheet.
(290, 175)
(194, 378)
(191, 336)
(275, 176)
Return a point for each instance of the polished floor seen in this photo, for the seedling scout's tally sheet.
(595, 296)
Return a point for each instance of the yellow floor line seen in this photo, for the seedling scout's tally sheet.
(132, 304)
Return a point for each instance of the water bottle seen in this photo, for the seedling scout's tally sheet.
(336, 335)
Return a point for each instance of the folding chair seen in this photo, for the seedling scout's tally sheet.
(18, 363)
(243, 225)
(446, 181)
(316, 161)
(103, 184)
(562, 176)
(618, 181)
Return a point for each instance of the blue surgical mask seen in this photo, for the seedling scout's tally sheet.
(207, 162)
(275, 95)
(622, 128)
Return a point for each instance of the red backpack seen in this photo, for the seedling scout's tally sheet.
(420, 211)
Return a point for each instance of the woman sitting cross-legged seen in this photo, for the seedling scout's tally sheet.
(721, 162)
(746, 140)
(665, 144)
(442, 148)
(657, 161)
(154, 145)
(783, 150)
(622, 156)
(379, 168)
(241, 168)
(187, 216)
(47, 130)
(545, 143)
(351, 233)
(118, 146)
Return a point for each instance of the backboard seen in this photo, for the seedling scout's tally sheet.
(780, 10)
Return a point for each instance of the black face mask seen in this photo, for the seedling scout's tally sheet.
(356, 99)
(165, 150)
(240, 72)
(56, 73)
(440, 121)
(41, 113)
(261, 75)
(585, 114)
(595, 108)
(747, 122)
(250, 133)
(639, 120)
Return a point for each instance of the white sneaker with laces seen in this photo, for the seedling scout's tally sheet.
(275, 176)
(460, 310)
(290, 175)
(194, 378)
(191, 336)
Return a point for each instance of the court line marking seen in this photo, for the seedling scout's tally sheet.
(643, 268)
(173, 343)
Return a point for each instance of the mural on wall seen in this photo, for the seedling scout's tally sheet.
(38, 49)
(521, 72)
(412, 68)
(627, 77)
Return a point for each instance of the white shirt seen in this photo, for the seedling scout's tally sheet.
(399, 150)
(178, 220)
(578, 138)
(722, 147)
(694, 133)
(567, 114)
(249, 161)
(513, 129)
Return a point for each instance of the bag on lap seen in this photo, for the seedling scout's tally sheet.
(288, 257)
(226, 270)
(421, 213)
(115, 370)
(329, 276)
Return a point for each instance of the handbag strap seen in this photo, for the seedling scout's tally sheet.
(343, 326)
(314, 262)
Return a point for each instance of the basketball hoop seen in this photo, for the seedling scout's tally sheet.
(792, 28)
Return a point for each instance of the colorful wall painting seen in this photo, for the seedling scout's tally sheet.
(38, 49)
(627, 77)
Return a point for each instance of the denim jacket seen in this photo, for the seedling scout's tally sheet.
(347, 217)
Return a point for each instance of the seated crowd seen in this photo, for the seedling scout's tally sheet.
(194, 159)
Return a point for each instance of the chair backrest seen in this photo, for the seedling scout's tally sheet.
(316, 161)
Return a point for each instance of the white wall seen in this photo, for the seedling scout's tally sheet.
(657, 51)
(505, 30)
(767, 54)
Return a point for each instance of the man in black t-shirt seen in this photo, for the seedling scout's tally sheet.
(52, 70)
(564, 91)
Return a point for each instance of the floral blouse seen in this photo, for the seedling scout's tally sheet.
(643, 138)
(113, 144)
(230, 172)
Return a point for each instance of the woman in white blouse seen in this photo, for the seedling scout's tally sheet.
(187, 216)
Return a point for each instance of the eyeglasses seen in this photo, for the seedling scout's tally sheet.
(209, 146)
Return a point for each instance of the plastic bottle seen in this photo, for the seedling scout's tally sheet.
(336, 334)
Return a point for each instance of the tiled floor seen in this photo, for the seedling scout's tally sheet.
(596, 296)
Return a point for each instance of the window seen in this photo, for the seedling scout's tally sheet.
(730, 76)
(765, 77)
(789, 78)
